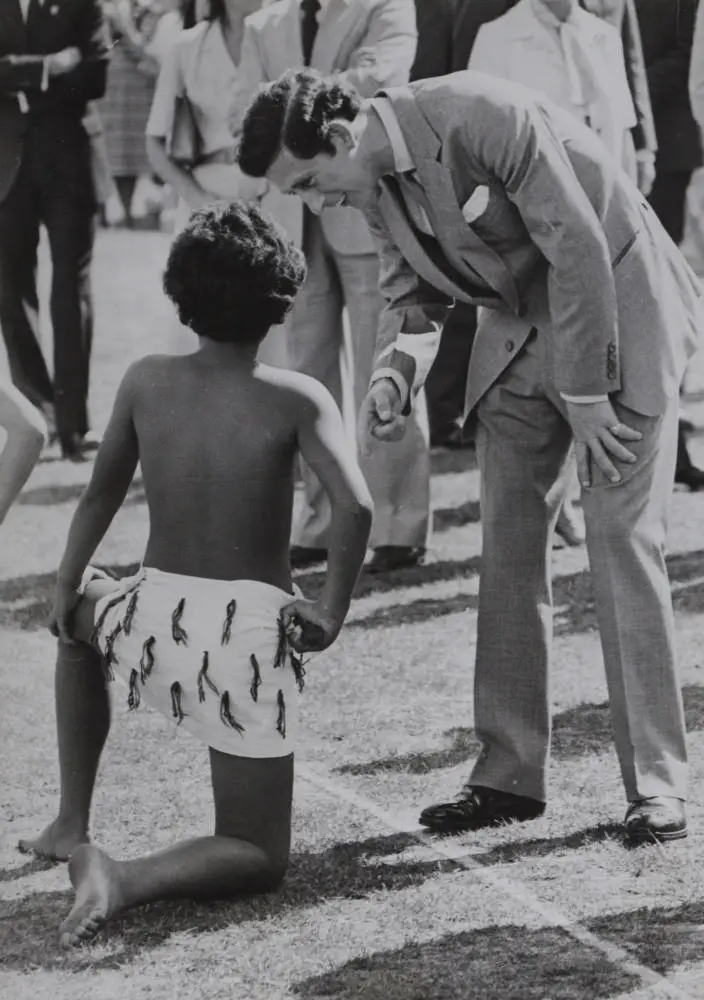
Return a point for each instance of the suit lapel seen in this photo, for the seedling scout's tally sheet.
(416, 254)
(464, 248)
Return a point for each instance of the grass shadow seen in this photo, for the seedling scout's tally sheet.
(354, 870)
(577, 732)
(493, 963)
(31, 867)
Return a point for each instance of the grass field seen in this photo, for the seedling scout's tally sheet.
(556, 909)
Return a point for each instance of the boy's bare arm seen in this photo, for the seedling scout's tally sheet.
(325, 446)
(114, 468)
(26, 433)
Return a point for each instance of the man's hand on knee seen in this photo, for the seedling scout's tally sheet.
(598, 435)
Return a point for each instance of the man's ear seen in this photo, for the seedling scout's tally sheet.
(341, 131)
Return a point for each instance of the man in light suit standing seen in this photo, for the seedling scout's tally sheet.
(369, 44)
(483, 191)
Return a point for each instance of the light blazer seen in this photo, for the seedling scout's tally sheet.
(371, 43)
(565, 244)
(517, 46)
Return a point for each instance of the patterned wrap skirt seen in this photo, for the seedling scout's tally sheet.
(211, 654)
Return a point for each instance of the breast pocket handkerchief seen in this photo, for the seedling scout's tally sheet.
(476, 205)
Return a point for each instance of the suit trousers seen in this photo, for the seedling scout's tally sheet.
(53, 187)
(523, 442)
(398, 474)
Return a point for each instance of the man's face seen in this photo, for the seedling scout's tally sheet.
(326, 180)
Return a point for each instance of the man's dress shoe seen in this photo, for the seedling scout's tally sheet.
(388, 558)
(477, 807)
(302, 556)
(660, 818)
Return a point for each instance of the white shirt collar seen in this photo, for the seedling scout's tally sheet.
(403, 162)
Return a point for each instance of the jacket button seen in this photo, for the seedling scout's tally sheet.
(510, 345)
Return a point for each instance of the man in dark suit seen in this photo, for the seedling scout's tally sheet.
(53, 60)
(667, 31)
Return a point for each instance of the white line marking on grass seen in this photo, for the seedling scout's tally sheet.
(513, 889)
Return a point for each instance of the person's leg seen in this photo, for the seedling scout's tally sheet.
(398, 473)
(314, 346)
(19, 305)
(248, 853)
(69, 214)
(626, 530)
(83, 723)
(668, 199)
(125, 189)
(522, 447)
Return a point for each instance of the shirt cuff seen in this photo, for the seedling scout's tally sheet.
(601, 398)
(397, 379)
(645, 155)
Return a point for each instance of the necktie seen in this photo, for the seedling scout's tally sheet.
(309, 27)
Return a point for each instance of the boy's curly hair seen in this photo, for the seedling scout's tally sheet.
(294, 113)
(232, 273)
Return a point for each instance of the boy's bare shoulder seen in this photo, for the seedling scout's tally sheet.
(145, 371)
(303, 391)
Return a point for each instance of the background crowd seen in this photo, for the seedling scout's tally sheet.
(127, 112)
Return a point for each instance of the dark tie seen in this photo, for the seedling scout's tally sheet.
(309, 27)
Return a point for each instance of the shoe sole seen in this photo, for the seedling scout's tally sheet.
(466, 828)
(648, 836)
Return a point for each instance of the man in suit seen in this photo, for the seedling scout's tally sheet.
(446, 381)
(53, 60)
(485, 192)
(369, 44)
(667, 30)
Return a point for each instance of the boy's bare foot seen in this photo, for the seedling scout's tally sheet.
(56, 843)
(93, 876)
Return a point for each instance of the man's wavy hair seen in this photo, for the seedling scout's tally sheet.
(232, 273)
(294, 112)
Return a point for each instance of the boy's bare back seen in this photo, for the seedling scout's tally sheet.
(217, 447)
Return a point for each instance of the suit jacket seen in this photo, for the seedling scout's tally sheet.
(55, 25)
(435, 21)
(472, 14)
(562, 242)
(667, 31)
(371, 43)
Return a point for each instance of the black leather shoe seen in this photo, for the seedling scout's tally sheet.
(477, 807)
(302, 556)
(658, 819)
(387, 558)
(72, 448)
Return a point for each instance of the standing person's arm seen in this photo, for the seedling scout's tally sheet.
(324, 445)
(25, 431)
(643, 132)
(170, 87)
(696, 70)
